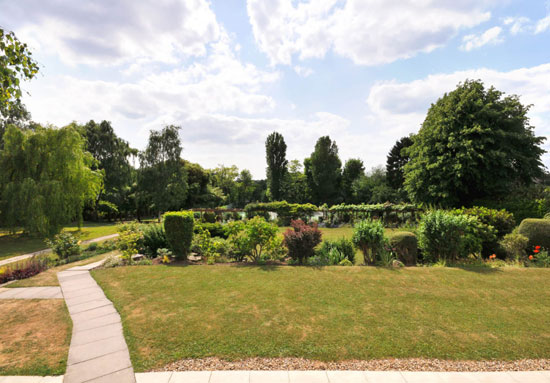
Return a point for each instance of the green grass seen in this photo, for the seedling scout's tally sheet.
(12, 245)
(332, 313)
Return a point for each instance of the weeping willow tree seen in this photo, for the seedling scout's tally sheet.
(45, 179)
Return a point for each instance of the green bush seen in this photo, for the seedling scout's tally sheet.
(209, 217)
(178, 227)
(537, 231)
(64, 245)
(514, 245)
(447, 236)
(336, 251)
(405, 246)
(154, 238)
(501, 220)
(368, 236)
(130, 240)
(252, 238)
(215, 229)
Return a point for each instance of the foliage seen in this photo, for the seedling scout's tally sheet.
(537, 231)
(113, 261)
(501, 220)
(202, 243)
(337, 251)
(373, 188)
(405, 246)
(45, 179)
(215, 229)
(23, 269)
(275, 152)
(301, 240)
(252, 238)
(514, 245)
(295, 187)
(130, 240)
(164, 255)
(285, 211)
(474, 143)
(353, 169)
(178, 227)
(162, 180)
(540, 259)
(324, 171)
(154, 238)
(368, 236)
(396, 161)
(64, 245)
(446, 236)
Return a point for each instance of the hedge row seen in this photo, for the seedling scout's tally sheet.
(282, 208)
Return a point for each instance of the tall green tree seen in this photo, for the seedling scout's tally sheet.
(295, 186)
(325, 172)
(162, 181)
(244, 188)
(474, 143)
(353, 169)
(16, 64)
(396, 161)
(45, 179)
(275, 149)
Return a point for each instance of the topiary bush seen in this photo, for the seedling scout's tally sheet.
(301, 240)
(514, 245)
(178, 227)
(368, 236)
(537, 231)
(405, 245)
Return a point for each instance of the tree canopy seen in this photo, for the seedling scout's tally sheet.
(324, 171)
(275, 149)
(396, 161)
(474, 143)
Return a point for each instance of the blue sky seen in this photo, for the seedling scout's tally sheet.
(230, 72)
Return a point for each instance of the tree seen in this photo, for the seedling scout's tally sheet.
(325, 170)
(294, 187)
(353, 169)
(243, 192)
(113, 158)
(396, 161)
(45, 179)
(162, 179)
(372, 188)
(223, 177)
(474, 143)
(198, 180)
(16, 64)
(275, 149)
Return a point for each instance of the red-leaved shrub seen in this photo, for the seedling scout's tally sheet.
(301, 240)
(23, 269)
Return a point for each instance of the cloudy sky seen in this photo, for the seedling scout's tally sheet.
(229, 72)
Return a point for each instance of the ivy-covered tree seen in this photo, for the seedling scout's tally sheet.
(45, 179)
(162, 181)
(275, 151)
(353, 169)
(325, 172)
(396, 161)
(474, 143)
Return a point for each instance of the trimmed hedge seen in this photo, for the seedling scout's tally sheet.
(283, 209)
(178, 226)
(406, 246)
(537, 231)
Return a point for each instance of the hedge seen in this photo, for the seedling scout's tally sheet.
(283, 209)
(537, 231)
(215, 229)
(178, 226)
(406, 246)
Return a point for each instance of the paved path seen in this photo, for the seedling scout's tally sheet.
(29, 255)
(49, 292)
(98, 351)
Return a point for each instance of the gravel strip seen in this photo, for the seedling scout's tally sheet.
(211, 364)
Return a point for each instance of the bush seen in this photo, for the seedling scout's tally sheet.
(252, 237)
(209, 217)
(23, 269)
(164, 255)
(215, 229)
(91, 247)
(301, 240)
(178, 228)
(447, 236)
(537, 231)
(154, 238)
(501, 220)
(64, 245)
(337, 251)
(405, 246)
(514, 245)
(130, 239)
(368, 236)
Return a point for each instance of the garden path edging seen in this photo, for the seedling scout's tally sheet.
(98, 350)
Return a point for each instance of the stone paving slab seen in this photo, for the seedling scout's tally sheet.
(31, 379)
(48, 292)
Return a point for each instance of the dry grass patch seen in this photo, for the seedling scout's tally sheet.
(35, 337)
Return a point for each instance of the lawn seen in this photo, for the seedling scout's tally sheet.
(35, 337)
(12, 245)
(332, 313)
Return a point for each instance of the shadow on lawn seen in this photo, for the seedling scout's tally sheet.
(480, 269)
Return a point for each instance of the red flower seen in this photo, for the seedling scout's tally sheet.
(537, 247)
(536, 251)
(530, 257)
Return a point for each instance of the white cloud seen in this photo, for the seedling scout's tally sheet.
(490, 36)
(369, 32)
(542, 25)
(303, 71)
(516, 24)
(114, 32)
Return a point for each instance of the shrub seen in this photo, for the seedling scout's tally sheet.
(91, 247)
(514, 245)
(405, 246)
(301, 240)
(23, 269)
(540, 259)
(64, 245)
(164, 255)
(336, 251)
(130, 239)
(113, 261)
(537, 231)
(178, 228)
(209, 217)
(447, 236)
(215, 229)
(154, 238)
(501, 220)
(368, 236)
(252, 237)
(202, 243)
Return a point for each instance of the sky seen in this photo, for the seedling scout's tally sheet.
(231, 72)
